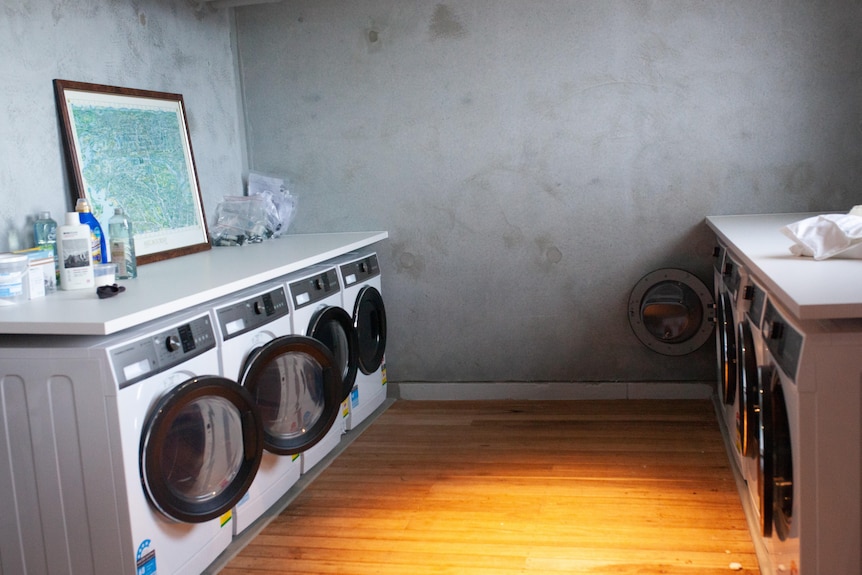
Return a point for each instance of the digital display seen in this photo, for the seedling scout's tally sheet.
(351, 279)
(302, 298)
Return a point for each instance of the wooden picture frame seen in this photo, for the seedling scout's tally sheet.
(131, 148)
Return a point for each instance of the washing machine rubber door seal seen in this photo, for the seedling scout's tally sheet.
(188, 470)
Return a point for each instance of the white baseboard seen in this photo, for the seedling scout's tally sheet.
(549, 390)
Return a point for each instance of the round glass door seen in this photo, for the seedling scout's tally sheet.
(782, 455)
(369, 320)
(765, 470)
(200, 449)
(333, 327)
(726, 349)
(296, 386)
(746, 423)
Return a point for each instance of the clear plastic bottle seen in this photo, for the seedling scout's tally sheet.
(12, 237)
(45, 234)
(45, 230)
(122, 245)
(100, 252)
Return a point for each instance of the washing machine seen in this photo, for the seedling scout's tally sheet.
(245, 323)
(809, 459)
(123, 454)
(734, 292)
(361, 296)
(317, 310)
(752, 366)
(725, 343)
(725, 337)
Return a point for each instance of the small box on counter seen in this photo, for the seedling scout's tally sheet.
(42, 270)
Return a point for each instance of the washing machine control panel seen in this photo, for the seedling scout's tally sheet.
(732, 274)
(782, 339)
(718, 254)
(246, 315)
(758, 302)
(136, 360)
(314, 288)
(360, 270)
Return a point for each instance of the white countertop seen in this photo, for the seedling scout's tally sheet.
(809, 289)
(174, 285)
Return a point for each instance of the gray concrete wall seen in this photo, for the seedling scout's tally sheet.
(532, 160)
(163, 45)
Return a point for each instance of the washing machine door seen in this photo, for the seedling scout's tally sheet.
(296, 385)
(782, 465)
(200, 449)
(333, 327)
(749, 409)
(766, 463)
(726, 340)
(369, 320)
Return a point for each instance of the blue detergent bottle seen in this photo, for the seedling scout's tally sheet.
(97, 238)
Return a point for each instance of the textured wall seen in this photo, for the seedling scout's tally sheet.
(164, 45)
(532, 160)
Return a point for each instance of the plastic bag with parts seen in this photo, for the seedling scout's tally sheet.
(240, 220)
(282, 204)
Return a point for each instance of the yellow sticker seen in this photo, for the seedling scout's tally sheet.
(383, 370)
(225, 519)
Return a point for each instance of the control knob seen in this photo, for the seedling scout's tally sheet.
(172, 343)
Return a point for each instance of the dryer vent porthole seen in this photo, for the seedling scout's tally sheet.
(671, 311)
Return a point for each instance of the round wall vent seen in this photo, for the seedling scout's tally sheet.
(671, 311)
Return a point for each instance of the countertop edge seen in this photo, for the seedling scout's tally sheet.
(755, 240)
(51, 315)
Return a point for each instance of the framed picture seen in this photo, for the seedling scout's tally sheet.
(131, 149)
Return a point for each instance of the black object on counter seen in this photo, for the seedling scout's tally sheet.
(109, 291)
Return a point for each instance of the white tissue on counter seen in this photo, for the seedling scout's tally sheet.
(827, 236)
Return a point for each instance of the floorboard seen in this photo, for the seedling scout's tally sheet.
(517, 487)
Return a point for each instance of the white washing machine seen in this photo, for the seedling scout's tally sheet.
(361, 296)
(122, 454)
(751, 362)
(809, 460)
(246, 322)
(317, 310)
(739, 292)
(725, 338)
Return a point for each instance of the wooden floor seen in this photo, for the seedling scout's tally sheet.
(470, 488)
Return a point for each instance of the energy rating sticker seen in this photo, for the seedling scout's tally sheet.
(145, 560)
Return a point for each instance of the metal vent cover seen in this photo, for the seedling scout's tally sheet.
(671, 311)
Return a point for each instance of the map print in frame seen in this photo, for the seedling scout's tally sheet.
(131, 149)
